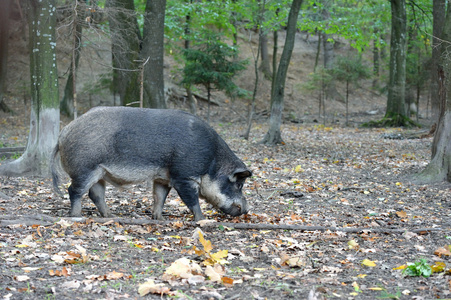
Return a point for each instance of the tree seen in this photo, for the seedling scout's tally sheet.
(44, 119)
(4, 40)
(439, 12)
(212, 65)
(273, 136)
(439, 168)
(153, 49)
(125, 46)
(350, 70)
(68, 102)
(395, 114)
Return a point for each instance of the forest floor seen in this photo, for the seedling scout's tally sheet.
(356, 220)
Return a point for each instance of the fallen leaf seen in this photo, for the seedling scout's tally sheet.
(368, 263)
(442, 251)
(401, 214)
(21, 278)
(438, 267)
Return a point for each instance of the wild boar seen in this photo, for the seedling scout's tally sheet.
(171, 148)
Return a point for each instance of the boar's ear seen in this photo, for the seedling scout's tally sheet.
(240, 173)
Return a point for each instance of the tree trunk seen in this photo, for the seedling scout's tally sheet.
(44, 119)
(274, 54)
(396, 108)
(4, 40)
(125, 46)
(192, 102)
(273, 136)
(439, 11)
(67, 105)
(329, 54)
(265, 65)
(153, 48)
(375, 59)
(439, 168)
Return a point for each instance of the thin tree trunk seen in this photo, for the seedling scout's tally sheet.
(4, 41)
(44, 119)
(68, 103)
(191, 100)
(375, 60)
(254, 93)
(318, 51)
(263, 45)
(273, 136)
(153, 48)
(125, 48)
(274, 54)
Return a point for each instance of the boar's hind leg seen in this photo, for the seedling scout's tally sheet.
(160, 192)
(97, 195)
(190, 196)
(75, 201)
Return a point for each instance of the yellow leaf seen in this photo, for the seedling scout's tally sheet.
(21, 246)
(402, 267)
(376, 288)
(352, 244)
(219, 256)
(361, 276)
(438, 267)
(368, 263)
(206, 243)
(198, 251)
(298, 169)
(354, 294)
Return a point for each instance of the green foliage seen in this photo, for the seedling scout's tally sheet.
(359, 22)
(212, 63)
(318, 81)
(350, 69)
(419, 268)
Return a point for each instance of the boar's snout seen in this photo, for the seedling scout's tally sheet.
(237, 208)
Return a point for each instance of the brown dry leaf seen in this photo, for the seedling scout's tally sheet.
(113, 275)
(442, 251)
(214, 273)
(401, 214)
(64, 272)
(84, 256)
(183, 268)
(227, 281)
(154, 288)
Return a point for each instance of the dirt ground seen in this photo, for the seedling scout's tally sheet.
(328, 176)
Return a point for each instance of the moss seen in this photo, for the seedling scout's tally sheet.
(392, 120)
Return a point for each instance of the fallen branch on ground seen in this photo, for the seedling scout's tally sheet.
(44, 220)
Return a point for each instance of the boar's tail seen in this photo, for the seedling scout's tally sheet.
(55, 169)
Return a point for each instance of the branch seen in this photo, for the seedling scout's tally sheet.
(44, 220)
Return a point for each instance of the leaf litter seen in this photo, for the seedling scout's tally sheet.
(323, 176)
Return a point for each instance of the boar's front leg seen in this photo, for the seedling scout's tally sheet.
(190, 196)
(97, 195)
(160, 192)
